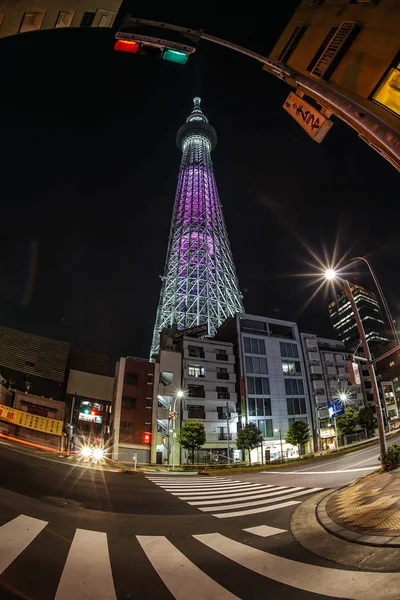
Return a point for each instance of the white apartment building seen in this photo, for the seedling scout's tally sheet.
(273, 382)
(209, 384)
(326, 363)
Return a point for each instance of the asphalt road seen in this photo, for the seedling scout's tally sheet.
(68, 532)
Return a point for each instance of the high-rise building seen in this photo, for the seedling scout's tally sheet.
(199, 284)
(344, 323)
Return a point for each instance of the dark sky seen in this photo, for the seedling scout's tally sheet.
(89, 167)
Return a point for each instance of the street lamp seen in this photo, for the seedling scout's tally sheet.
(278, 430)
(179, 395)
(331, 275)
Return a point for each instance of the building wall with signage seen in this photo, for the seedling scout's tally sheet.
(366, 63)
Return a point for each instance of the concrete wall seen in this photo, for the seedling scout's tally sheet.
(88, 385)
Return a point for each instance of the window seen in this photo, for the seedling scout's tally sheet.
(256, 365)
(296, 406)
(223, 433)
(291, 367)
(196, 351)
(126, 431)
(130, 378)
(32, 20)
(196, 412)
(266, 427)
(294, 387)
(128, 402)
(222, 412)
(387, 93)
(289, 350)
(332, 49)
(395, 379)
(254, 346)
(291, 43)
(258, 385)
(150, 378)
(259, 407)
(391, 364)
(196, 371)
(221, 354)
(87, 19)
(291, 421)
(222, 393)
(106, 20)
(64, 18)
(196, 391)
(222, 373)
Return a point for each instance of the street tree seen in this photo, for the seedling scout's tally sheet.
(366, 420)
(248, 438)
(348, 421)
(298, 434)
(192, 436)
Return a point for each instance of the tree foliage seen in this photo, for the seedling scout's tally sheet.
(366, 420)
(248, 438)
(298, 434)
(348, 421)
(192, 436)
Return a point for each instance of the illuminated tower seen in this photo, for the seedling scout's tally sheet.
(199, 284)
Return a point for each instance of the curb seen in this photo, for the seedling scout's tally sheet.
(380, 541)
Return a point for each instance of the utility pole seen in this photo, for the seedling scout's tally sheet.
(70, 429)
(371, 369)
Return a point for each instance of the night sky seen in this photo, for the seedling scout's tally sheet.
(89, 168)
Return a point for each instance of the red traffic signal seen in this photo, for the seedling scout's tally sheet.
(126, 46)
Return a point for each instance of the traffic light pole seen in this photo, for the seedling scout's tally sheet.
(371, 369)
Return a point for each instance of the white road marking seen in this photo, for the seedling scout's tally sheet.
(231, 494)
(222, 486)
(265, 530)
(87, 573)
(183, 579)
(258, 502)
(15, 536)
(240, 496)
(352, 585)
(255, 511)
(246, 488)
(321, 472)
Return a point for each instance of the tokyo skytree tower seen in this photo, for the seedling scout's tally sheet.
(199, 284)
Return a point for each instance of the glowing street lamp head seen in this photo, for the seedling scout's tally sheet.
(343, 396)
(330, 274)
(180, 394)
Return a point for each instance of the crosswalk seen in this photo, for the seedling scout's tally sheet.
(226, 498)
(88, 571)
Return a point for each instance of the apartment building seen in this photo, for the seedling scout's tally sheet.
(326, 363)
(272, 379)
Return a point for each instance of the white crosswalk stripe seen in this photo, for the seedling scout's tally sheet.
(225, 498)
(87, 573)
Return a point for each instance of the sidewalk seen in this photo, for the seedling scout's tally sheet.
(356, 526)
(366, 512)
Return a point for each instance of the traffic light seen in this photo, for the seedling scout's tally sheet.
(160, 40)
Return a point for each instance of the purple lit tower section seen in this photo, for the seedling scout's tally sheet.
(199, 284)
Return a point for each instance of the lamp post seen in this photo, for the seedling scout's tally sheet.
(278, 430)
(330, 274)
(173, 414)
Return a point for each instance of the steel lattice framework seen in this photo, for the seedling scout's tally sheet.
(199, 284)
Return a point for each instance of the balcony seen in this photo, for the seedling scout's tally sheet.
(313, 356)
(223, 376)
(196, 414)
(192, 393)
(311, 344)
(224, 357)
(318, 385)
(316, 370)
(224, 436)
(332, 371)
(223, 395)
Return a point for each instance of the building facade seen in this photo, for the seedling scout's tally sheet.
(131, 419)
(326, 363)
(199, 284)
(352, 46)
(272, 379)
(33, 15)
(344, 323)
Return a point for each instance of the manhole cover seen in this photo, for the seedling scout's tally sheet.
(62, 502)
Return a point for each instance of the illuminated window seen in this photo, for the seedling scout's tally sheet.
(388, 92)
(64, 18)
(196, 371)
(32, 20)
(87, 19)
(291, 367)
(106, 20)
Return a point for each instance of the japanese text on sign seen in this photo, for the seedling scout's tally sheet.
(308, 117)
(31, 421)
